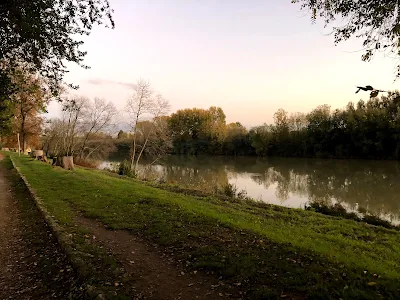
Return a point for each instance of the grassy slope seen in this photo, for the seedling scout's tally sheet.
(268, 249)
(96, 266)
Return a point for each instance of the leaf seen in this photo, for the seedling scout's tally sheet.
(372, 283)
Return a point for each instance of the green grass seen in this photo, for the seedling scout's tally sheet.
(268, 249)
(94, 265)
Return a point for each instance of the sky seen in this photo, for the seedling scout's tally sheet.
(248, 57)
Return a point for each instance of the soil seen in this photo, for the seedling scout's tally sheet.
(32, 266)
(155, 274)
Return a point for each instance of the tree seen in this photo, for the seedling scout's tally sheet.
(82, 130)
(44, 34)
(52, 137)
(154, 138)
(97, 117)
(196, 131)
(297, 122)
(30, 99)
(217, 122)
(261, 139)
(73, 112)
(376, 22)
(144, 105)
(281, 120)
(237, 140)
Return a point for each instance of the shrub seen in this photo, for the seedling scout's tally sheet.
(231, 191)
(124, 168)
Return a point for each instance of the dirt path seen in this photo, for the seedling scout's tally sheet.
(155, 274)
(35, 267)
(31, 264)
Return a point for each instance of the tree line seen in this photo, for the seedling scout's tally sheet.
(36, 45)
(86, 129)
(368, 130)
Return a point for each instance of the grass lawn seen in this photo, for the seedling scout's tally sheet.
(269, 250)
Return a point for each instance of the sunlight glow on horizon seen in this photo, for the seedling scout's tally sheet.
(249, 58)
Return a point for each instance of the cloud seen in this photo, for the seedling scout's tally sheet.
(113, 82)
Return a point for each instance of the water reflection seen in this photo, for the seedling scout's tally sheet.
(370, 185)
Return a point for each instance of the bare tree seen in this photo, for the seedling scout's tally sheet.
(98, 116)
(73, 114)
(52, 137)
(144, 105)
(81, 131)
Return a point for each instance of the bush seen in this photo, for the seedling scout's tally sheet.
(125, 169)
(232, 191)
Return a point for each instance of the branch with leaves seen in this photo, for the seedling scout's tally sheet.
(377, 23)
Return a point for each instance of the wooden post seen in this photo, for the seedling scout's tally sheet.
(19, 145)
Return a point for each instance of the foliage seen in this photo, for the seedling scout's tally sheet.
(7, 109)
(367, 130)
(31, 99)
(200, 131)
(22, 110)
(376, 22)
(44, 34)
(267, 249)
(231, 190)
(124, 168)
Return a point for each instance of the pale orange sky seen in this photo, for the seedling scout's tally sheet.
(248, 57)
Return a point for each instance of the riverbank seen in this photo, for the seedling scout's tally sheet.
(360, 186)
(267, 251)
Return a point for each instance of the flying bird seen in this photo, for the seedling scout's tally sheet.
(365, 89)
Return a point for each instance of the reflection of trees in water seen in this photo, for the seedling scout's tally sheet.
(372, 185)
(368, 184)
(192, 172)
(284, 183)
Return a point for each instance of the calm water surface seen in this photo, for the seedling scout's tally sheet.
(357, 184)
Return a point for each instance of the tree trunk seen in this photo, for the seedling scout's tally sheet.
(66, 162)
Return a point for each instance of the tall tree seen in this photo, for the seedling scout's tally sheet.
(30, 100)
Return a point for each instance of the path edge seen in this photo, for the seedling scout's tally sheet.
(63, 239)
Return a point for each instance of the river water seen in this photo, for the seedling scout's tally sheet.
(360, 185)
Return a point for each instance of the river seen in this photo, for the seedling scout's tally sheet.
(360, 185)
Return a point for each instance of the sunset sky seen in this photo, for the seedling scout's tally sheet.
(248, 57)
